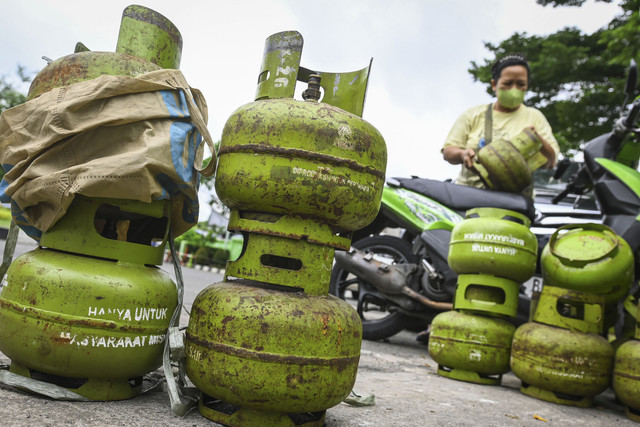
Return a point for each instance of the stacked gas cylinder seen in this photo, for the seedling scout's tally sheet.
(626, 373)
(269, 345)
(493, 251)
(88, 310)
(562, 355)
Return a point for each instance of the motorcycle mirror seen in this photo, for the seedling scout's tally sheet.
(632, 81)
(561, 168)
(632, 78)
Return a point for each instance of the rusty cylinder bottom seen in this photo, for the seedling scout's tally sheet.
(93, 389)
(632, 413)
(237, 416)
(556, 397)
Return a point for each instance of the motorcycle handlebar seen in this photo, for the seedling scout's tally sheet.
(562, 194)
(577, 185)
(633, 114)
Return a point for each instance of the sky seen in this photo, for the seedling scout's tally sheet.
(421, 50)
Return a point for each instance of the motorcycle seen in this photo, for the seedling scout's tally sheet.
(402, 281)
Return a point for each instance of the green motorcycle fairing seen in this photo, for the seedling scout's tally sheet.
(418, 210)
(630, 177)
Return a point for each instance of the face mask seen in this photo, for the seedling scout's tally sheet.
(511, 98)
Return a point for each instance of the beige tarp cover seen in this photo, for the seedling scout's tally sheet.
(121, 137)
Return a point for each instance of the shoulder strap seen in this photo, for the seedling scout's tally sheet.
(488, 124)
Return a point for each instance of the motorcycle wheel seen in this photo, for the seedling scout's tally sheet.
(380, 320)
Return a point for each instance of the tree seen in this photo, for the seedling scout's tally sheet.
(577, 79)
(10, 96)
(556, 3)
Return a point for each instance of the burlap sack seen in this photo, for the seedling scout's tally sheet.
(121, 137)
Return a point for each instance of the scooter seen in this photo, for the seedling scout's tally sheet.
(403, 281)
(397, 275)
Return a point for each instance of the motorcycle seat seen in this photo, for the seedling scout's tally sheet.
(462, 198)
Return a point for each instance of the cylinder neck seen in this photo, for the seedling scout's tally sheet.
(312, 93)
(121, 230)
(149, 35)
(285, 250)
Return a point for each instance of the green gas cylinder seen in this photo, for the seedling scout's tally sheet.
(471, 347)
(496, 242)
(508, 165)
(317, 160)
(626, 375)
(309, 159)
(88, 309)
(269, 346)
(147, 42)
(560, 356)
(589, 258)
(274, 350)
(493, 251)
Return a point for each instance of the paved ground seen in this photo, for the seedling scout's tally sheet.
(399, 373)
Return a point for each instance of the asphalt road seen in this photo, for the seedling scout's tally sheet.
(398, 372)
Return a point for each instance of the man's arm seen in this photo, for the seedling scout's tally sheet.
(456, 155)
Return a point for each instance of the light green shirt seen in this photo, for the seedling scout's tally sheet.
(468, 130)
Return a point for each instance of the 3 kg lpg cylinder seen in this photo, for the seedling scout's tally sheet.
(589, 258)
(471, 347)
(271, 349)
(493, 251)
(496, 242)
(626, 375)
(88, 311)
(560, 356)
(508, 165)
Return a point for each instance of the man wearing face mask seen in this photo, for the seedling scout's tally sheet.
(507, 117)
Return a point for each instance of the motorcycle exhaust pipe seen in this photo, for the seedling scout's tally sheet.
(444, 306)
(390, 279)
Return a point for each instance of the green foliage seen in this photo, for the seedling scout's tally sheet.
(219, 257)
(201, 256)
(10, 96)
(5, 214)
(189, 236)
(556, 3)
(200, 246)
(216, 257)
(577, 79)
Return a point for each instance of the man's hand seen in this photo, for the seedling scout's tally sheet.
(467, 156)
(546, 150)
(457, 155)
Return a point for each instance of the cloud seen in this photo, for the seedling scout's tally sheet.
(421, 48)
